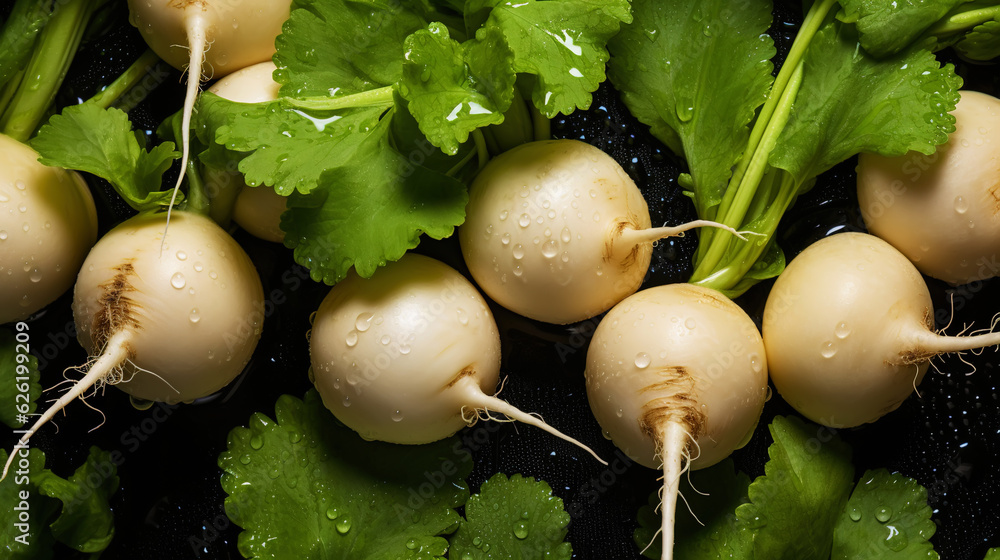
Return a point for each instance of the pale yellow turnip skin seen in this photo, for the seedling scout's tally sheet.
(397, 361)
(842, 330)
(942, 211)
(48, 222)
(539, 236)
(674, 340)
(240, 32)
(257, 209)
(195, 312)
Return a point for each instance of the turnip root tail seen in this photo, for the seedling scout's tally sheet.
(673, 445)
(114, 355)
(197, 41)
(929, 344)
(632, 237)
(485, 402)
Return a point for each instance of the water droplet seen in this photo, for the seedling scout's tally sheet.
(213, 274)
(25, 227)
(883, 514)
(855, 514)
(411, 544)
(961, 206)
(397, 416)
(177, 280)
(463, 317)
(642, 360)
(35, 276)
(550, 249)
(22, 207)
(842, 331)
(140, 404)
(182, 256)
(477, 542)
(521, 531)
(195, 316)
(332, 514)
(294, 437)
(597, 216)
(503, 215)
(384, 340)
(352, 338)
(20, 185)
(4, 197)
(344, 525)
(896, 541)
(404, 349)
(518, 251)
(620, 412)
(363, 321)
(827, 349)
(757, 522)
(347, 402)
(198, 267)
(684, 111)
(3, 235)
(256, 442)
(518, 271)
(524, 220)
(505, 239)
(690, 323)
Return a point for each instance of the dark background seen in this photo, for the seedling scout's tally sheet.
(170, 497)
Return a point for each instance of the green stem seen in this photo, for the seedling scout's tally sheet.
(964, 20)
(746, 190)
(542, 125)
(370, 98)
(128, 80)
(197, 199)
(810, 25)
(484, 153)
(45, 72)
(516, 128)
(462, 163)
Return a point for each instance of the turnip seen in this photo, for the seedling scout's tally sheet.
(169, 328)
(556, 231)
(848, 330)
(942, 211)
(48, 221)
(256, 209)
(410, 355)
(676, 376)
(226, 35)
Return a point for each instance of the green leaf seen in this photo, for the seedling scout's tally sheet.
(74, 512)
(371, 212)
(15, 376)
(806, 483)
(304, 486)
(100, 141)
(562, 43)
(851, 103)
(696, 72)
(453, 88)
(85, 522)
(363, 49)
(887, 518)
(720, 490)
(291, 148)
(887, 27)
(982, 43)
(33, 541)
(518, 518)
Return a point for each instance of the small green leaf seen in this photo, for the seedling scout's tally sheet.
(982, 43)
(453, 89)
(304, 486)
(886, 518)
(562, 43)
(85, 522)
(887, 27)
(100, 141)
(20, 540)
(15, 376)
(515, 519)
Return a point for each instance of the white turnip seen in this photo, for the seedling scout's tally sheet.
(256, 209)
(676, 376)
(848, 330)
(942, 211)
(558, 232)
(169, 328)
(48, 221)
(410, 355)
